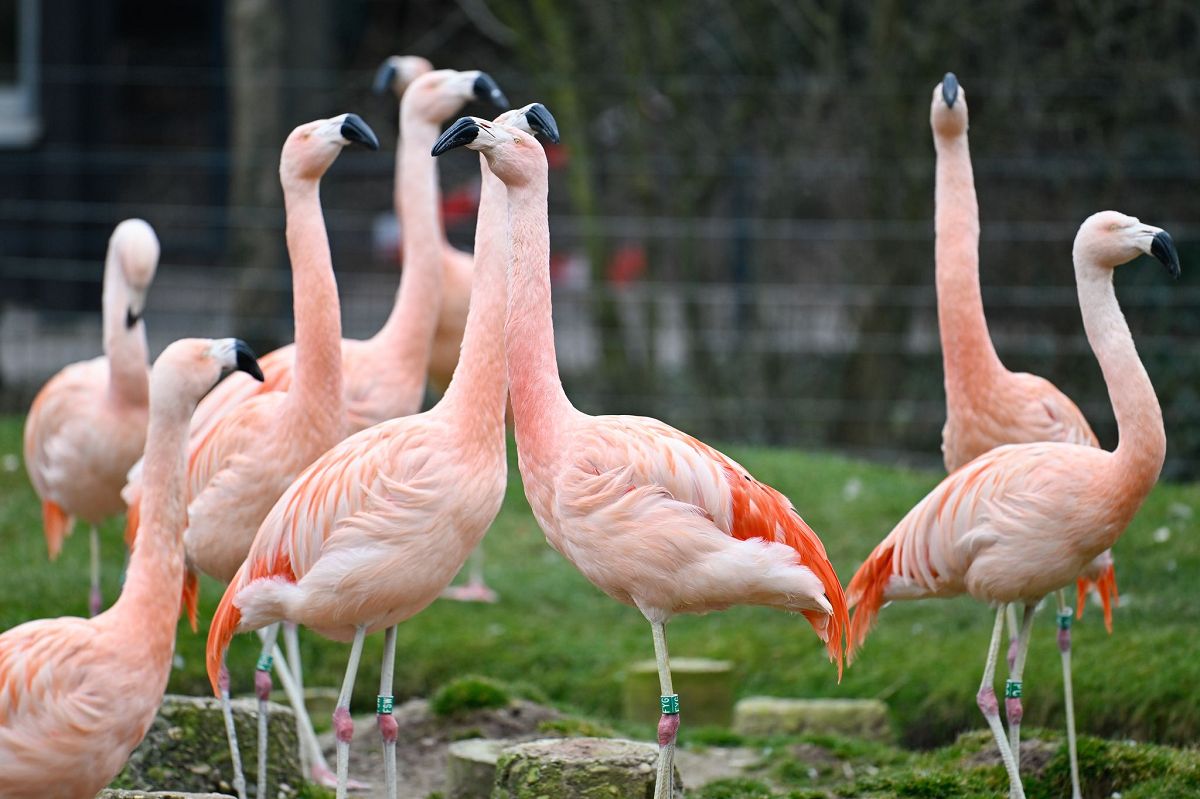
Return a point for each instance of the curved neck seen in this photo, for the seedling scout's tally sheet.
(408, 332)
(538, 400)
(317, 384)
(1143, 443)
(148, 608)
(480, 382)
(968, 356)
(125, 347)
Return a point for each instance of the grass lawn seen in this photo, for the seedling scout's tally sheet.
(555, 631)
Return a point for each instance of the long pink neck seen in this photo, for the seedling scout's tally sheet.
(148, 608)
(128, 380)
(317, 386)
(968, 357)
(1138, 458)
(480, 383)
(407, 335)
(540, 406)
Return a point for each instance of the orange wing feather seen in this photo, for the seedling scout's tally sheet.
(225, 621)
(57, 524)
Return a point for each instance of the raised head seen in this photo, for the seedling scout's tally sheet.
(438, 95)
(534, 119)
(948, 112)
(311, 148)
(397, 72)
(512, 154)
(135, 249)
(1108, 239)
(190, 367)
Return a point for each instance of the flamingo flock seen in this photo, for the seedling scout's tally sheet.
(316, 490)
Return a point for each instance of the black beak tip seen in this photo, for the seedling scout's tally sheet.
(246, 360)
(384, 76)
(1163, 248)
(950, 89)
(460, 133)
(542, 121)
(355, 130)
(131, 318)
(488, 91)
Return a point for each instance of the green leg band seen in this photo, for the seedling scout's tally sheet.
(1064, 619)
(264, 663)
(669, 704)
(1012, 689)
(383, 705)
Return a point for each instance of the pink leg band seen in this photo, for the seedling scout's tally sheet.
(668, 726)
(343, 725)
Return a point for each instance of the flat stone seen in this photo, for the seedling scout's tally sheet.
(113, 793)
(853, 718)
(705, 689)
(578, 768)
(471, 767)
(186, 749)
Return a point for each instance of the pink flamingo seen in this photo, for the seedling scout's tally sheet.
(653, 517)
(988, 406)
(87, 425)
(241, 465)
(76, 695)
(372, 532)
(1023, 520)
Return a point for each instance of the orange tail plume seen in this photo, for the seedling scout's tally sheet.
(1106, 589)
(190, 600)
(220, 632)
(866, 594)
(133, 518)
(56, 523)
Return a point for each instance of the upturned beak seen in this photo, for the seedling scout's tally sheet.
(461, 133)
(950, 89)
(359, 132)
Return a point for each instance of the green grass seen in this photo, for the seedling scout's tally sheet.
(555, 632)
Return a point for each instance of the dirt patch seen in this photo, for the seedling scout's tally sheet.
(1035, 756)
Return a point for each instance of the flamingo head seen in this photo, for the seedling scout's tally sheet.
(1110, 238)
(135, 247)
(397, 72)
(513, 155)
(948, 112)
(535, 119)
(190, 367)
(438, 95)
(311, 148)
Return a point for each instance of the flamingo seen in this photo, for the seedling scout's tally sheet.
(77, 695)
(241, 465)
(370, 534)
(1023, 520)
(988, 406)
(653, 517)
(87, 425)
(397, 73)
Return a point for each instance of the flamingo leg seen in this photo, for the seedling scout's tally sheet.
(1013, 688)
(95, 597)
(383, 711)
(1064, 648)
(343, 725)
(1010, 614)
(262, 689)
(986, 699)
(235, 754)
(476, 589)
(291, 642)
(668, 722)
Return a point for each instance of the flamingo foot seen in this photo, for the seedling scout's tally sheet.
(322, 775)
(471, 592)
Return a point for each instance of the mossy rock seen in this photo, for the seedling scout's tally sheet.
(471, 767)
(186, 749)
(578, 768)
(766, 716)
(469, 693)
(705, 689)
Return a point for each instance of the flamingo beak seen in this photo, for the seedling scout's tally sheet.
(1162, 247)
(488, 91)
(357, 131)
(461, 133)
(950, 89)
(246, 360)
(542, 121)
(384, 77)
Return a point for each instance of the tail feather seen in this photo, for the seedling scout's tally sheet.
(190, 599)
(220, 632)
(1106, 588)
(56, 523)
(866, 593)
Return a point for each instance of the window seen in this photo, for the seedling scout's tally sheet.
(20, 27)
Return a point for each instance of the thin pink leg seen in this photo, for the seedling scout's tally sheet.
(986, 699)
(343, 725)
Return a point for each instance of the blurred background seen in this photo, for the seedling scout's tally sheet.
(741, 209)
